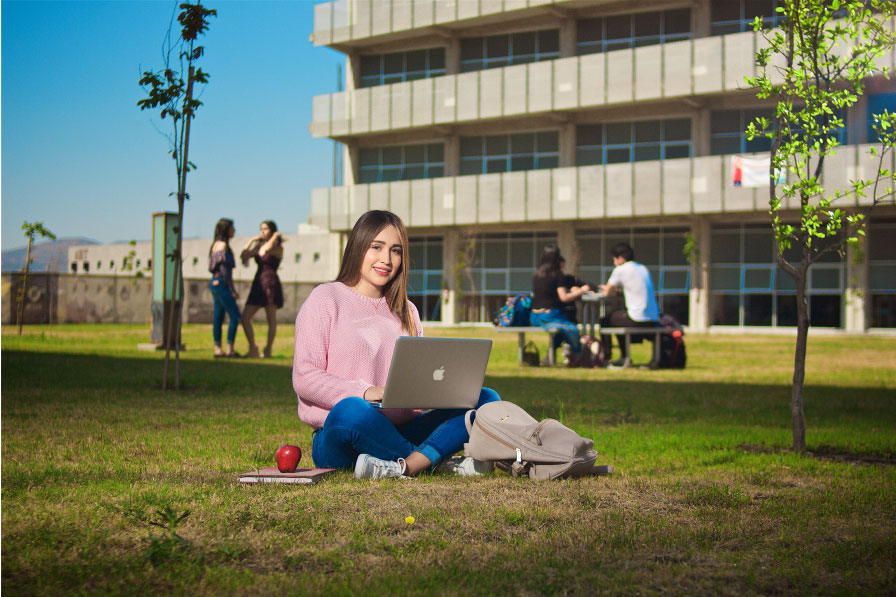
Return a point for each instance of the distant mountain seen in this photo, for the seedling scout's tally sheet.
(51, 255)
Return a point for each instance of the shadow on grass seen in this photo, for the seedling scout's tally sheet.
(49, 377)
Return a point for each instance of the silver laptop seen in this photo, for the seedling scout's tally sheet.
(436, 372)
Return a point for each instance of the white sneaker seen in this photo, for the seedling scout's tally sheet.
(464, 466)
(368, 467)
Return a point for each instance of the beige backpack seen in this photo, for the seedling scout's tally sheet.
(507, 435)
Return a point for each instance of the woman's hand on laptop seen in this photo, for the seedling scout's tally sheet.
(374, 394)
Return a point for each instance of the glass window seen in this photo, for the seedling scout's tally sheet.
(758, 309)
(734, 16)
(425, 276)
(727, 131)
(825, 310)
(496, 51)
(877, 103)
(675, 280)
(764, 292)
(384, 69)
(726, 309)
(605, 34)
(670, 277)
(503, 264)
(509, 153)
(758, 278)
(677, 23)
(406, 162)
(617, 142)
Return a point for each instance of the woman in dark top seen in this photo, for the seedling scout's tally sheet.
(549, 295)
(267, 292)
(221, 264)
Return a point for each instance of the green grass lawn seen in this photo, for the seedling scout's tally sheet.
(706, 498)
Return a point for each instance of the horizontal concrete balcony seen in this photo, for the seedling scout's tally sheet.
(704, 66)
(345, 21)
(679, 187)
(674, 70)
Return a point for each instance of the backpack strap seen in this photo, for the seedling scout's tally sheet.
(468, 419)
(520, 467)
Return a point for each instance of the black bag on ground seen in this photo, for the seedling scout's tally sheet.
(672, 351)
(531, 356)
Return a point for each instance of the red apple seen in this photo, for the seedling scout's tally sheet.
(288, 458)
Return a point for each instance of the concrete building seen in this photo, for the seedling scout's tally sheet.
(493, 127)
(310, 255)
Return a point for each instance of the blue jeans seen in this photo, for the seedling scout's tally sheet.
(555, 319)
(355, 427)
(224, 301)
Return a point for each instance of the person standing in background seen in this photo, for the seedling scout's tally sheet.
(221, 264)
(267, 291)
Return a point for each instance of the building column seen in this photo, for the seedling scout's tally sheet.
(856, 291)
(352, 71)
(701, 19)
(452, 56)
(856, 124)
(698, 303)
(700, 136)
(350, 172)
(566, 240)
(450, 303)
(452, 155)
(567, 38)
(567, 145)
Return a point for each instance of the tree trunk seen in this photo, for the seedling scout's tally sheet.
(174, 325)
(181, 197)
(24, 291)
(799, 363)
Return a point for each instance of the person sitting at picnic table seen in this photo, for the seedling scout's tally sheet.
(633, 280)
(550, 293)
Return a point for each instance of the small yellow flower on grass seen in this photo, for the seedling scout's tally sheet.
(409, 519)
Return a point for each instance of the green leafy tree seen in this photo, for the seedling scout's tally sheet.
(816, 65)
(31, 230)
(168, 91)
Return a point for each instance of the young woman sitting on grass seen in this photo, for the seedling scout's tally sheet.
(345, 335)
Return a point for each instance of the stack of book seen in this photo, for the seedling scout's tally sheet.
(270, 474)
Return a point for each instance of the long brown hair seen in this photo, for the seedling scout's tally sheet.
(363, 233)
(222, 233)
(549, 264)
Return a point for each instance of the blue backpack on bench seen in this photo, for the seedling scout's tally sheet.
(515, 312)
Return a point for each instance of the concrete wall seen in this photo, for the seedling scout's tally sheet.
(66, 298)
(679, 187)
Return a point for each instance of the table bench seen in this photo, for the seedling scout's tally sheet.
(521, 332)
(627, 332)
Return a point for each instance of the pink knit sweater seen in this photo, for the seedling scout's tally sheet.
(344, 344)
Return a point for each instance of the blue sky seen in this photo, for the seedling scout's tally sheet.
(80, 156)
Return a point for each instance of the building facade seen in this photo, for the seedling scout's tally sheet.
(310, 255)
(494, 127)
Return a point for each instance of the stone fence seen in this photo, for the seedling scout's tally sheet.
(71, 298)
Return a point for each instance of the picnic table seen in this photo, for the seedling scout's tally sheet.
(593, 310)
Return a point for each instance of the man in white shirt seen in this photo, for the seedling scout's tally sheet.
(633, 280)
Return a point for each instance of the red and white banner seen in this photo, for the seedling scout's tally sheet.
(750, 172)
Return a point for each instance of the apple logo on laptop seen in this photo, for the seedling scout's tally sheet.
(439, 374)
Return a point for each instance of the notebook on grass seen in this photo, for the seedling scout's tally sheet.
(270, 474)
(436, 372)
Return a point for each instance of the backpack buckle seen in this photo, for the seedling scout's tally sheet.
(519, 456)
